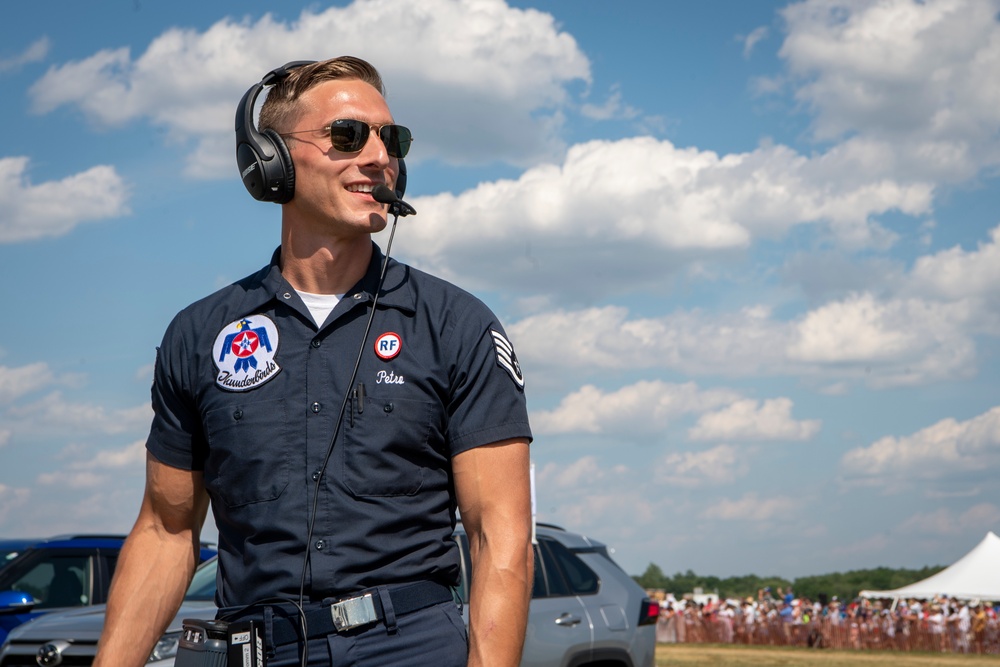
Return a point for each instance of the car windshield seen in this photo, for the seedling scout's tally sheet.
(11, 549)
(202, 588)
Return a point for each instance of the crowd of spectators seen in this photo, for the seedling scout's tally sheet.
(782, 619)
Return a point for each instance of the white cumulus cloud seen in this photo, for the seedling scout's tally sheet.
(580, 473)
(23, 380)
(131, 456)
(956, 273)
(694, 342)
(55, 414)
(918, 339)
(54, 208)
(752, 507)
(921, 75)
(946, 449)
(750, 41)
(881, 342)
(626, 214)
(945, 521)
(642, 408)
(719, 465)
(446, 62)
(77, 480)
(35, 52)
(748, 419)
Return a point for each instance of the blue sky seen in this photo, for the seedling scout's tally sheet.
(748, 253)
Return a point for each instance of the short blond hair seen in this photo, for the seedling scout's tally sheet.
(279, 108)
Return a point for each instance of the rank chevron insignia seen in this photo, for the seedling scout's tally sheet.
(506, 359)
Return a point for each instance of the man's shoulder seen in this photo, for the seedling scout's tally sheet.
(422, 279)
(434, 290)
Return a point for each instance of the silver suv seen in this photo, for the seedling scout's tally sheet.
(585, 611)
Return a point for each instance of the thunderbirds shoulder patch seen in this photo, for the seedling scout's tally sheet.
(244, 353)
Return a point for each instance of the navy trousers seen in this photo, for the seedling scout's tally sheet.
(433, 636)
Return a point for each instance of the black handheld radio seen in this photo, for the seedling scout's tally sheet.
(205, 643)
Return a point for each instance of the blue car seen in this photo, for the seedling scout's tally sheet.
(41, 576)
(11, 549)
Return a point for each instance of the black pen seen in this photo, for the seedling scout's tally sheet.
(354, 397)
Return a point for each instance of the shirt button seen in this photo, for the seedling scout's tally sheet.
(238, 414)
(286, 295)
(316, 476)
(316, 342)
(387, 407)
(316, 407)
(319, 545)
(359, 296)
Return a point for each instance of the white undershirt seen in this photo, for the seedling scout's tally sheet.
(319, 305)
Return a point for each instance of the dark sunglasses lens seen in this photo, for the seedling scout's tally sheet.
(348, 136)
(396, 139)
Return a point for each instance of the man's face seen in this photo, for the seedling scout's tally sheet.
(333, 189)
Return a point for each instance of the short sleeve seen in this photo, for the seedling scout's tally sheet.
(176, 437)
(487, 402)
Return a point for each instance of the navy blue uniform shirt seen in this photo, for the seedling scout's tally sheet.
(247, 388)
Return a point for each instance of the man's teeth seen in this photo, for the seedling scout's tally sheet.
(359, 188)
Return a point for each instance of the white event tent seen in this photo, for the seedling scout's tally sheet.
(975, 576)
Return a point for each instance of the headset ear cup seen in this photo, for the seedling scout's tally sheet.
(283, 173)
(251, 170)
(265, 164)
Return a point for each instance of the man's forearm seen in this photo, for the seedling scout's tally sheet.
(155, 565)
(493, 489)
(150, 580)
(498, 606)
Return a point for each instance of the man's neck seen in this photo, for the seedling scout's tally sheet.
(324, 266)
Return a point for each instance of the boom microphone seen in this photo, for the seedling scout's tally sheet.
(382, 194)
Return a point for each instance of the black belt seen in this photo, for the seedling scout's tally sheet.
(357, 611)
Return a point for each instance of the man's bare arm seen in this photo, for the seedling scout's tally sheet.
(494, 498)
(155, 565)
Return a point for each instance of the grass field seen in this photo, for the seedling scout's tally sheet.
(700, 655)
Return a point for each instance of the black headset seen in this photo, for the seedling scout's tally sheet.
(262, 157)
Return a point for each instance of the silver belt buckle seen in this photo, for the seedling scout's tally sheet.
(353, 612)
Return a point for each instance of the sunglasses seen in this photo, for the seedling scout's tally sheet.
(350, 136)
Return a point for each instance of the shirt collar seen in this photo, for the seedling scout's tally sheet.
(268, 283)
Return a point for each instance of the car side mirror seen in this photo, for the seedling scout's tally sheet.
(16, 602)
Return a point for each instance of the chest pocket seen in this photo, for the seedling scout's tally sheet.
(388, 449)
(247, 452)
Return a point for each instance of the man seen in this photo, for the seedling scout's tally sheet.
(247, 397)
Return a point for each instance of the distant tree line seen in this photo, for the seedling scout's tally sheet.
(845, 585)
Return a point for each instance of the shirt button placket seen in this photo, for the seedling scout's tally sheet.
(317, 384)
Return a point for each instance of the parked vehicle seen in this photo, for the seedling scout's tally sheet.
(10, 549)
(61, 572)
(585, 611)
